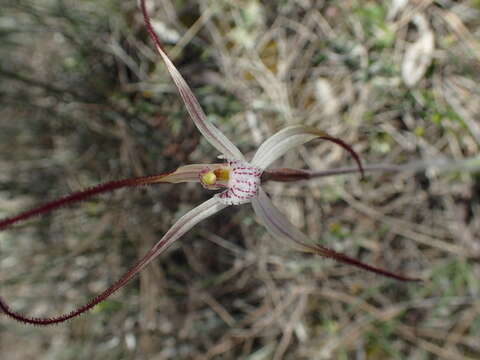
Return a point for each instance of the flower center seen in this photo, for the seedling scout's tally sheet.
(240, 179)
(243, 182)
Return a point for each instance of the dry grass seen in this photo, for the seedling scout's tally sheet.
(85, 99)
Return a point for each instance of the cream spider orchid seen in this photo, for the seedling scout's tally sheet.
(239, 180)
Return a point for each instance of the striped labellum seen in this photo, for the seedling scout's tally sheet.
(243, 183)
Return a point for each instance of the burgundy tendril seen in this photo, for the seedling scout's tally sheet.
(80, 196)
(68, 200)
(328, 253)
(148, 25)
(96, 300)
(290, 175)
(347, 147)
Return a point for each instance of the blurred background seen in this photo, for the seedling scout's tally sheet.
(84, 99)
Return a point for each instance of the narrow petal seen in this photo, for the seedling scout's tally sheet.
(185, 223)
(279, 226)
(284, 140)
(182, 174)
(187, 173)
(209, 131)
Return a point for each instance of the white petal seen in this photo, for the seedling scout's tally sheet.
(280, 227)
(275, 222)
(185, 223)
(187, 173)
(209, 131)
(284, 140)
(281, 142)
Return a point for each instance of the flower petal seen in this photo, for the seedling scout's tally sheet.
(187, 173)
(185, 223)
(279, 226)
(286, 139)
(209, 131)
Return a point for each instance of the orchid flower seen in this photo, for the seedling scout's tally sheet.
(238, 180)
